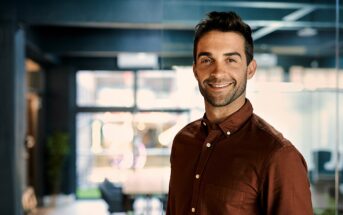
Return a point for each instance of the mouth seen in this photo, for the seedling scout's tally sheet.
(219, 85)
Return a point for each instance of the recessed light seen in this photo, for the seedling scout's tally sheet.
(307, 32)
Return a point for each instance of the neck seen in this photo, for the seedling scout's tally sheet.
(219, 114)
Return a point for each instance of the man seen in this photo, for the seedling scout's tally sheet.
(231, 161)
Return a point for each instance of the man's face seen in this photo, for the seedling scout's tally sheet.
(221, 67)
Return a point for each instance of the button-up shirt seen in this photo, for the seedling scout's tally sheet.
(239, 166)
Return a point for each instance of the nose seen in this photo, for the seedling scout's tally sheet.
(218, 69)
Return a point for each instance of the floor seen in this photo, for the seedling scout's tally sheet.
(67, 205)
(70, 206)
(84, 207)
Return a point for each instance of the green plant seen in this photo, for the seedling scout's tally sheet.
(88, 193)
(58, 149)
(329, 211)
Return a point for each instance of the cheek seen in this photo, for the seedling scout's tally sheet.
(196, 75)
(199, 76)
(243, 77)
(196, 72)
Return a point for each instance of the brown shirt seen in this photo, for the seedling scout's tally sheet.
(240, 166)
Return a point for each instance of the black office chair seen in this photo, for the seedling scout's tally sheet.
(112, 194)
(320, 173)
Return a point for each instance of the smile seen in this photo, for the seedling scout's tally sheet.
(219, 85)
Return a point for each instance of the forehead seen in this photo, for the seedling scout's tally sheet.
(217, 41)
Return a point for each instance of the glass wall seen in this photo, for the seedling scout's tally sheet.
(298, 84)
(126, 120)
(101, 89)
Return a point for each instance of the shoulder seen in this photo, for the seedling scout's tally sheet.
(281, 152)
(267, 134)
(278, 149)
(190, 128)
(282, 158)
(186, 137)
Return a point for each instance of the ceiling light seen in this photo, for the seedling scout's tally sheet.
(266, 59)
(137, 60)
(307, 32)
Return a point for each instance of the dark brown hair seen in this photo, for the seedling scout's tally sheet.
(225, 22)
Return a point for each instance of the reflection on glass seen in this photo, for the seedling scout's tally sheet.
(104, 88)
(115, 145)
(157, 129)
(127, 148)
(156, 89)
(304, 110)
(166, 89)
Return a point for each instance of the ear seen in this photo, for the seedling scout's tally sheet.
(195, 71)
(251, 69)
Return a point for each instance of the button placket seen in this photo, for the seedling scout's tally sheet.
(204, 156)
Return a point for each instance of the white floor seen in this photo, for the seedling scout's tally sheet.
(83, 207)
(70, 206)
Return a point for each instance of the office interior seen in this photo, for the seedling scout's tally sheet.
(92, 93)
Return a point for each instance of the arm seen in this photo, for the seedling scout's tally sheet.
(285, 186)
(169, 201)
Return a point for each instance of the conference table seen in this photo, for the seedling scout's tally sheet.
(148, 183)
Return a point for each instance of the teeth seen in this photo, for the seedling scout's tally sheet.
(220, 85)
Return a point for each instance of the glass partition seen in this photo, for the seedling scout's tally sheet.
(129, 149)
(103, 88)
(126, 130)
(129, 143)
(298, 84)
(166, 89)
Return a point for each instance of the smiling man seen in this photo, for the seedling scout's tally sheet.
(231, 161)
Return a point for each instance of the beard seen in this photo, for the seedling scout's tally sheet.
(234, 91)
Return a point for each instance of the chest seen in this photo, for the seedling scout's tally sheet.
(230, 162)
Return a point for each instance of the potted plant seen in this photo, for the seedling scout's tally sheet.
(58, 149)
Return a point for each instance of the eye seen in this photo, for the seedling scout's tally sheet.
(205, 60)
(231, 60)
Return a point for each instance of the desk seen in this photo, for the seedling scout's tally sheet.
(147, 181)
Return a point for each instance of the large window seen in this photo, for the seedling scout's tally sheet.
(135, 138)
(167, 89)
(126, 121)
(104, 88)
(304, 108)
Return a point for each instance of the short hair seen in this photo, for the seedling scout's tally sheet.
(225, 22)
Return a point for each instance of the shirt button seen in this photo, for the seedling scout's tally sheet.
(228, 132)
(197, 176)
(193, 210)
(208, 145)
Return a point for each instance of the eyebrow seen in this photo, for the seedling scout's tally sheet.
(226, 54)
(233, 54)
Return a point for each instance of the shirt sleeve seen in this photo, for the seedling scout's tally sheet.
(168, 209)
(285, 187)
(170, 201)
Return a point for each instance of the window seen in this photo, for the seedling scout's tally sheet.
(105, 88)
(119, 132)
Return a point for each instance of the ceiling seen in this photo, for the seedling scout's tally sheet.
(91, 34)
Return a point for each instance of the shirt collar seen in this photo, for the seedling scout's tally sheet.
(233, 122)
